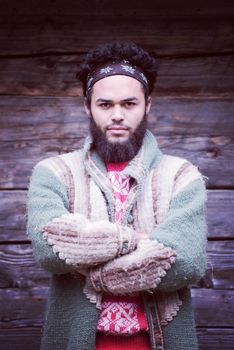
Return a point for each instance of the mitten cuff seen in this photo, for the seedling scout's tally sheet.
(96, 280)
(127, 239)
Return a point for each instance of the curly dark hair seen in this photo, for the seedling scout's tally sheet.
(118, 51)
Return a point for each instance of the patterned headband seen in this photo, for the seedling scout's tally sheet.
(116, 68)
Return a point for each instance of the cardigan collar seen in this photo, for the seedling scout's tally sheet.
(148, 157)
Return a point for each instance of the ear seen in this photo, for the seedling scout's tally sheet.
(86, 107)
(148, 105)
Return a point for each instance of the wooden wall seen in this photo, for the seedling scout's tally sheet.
(41, 115)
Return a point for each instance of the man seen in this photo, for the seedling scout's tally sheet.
(119, 225)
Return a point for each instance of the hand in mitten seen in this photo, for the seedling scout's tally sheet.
(140, 270)
(81, 242)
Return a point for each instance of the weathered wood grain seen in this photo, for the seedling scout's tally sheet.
(22, 308)
(21, 338)
(178, 8)
(24, 118)
(55, 76)
(169, 30)
(12, 216)
(198, 129)
(19, 269)
(211, 154)
(220, 208)
(18, 338)
(205, 303)
(213, 308)
(220, 220)
(215, 338)
(220, 265)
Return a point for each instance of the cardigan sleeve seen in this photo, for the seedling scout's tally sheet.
(181, 260)
(185, 231)
(64, 242)
(47, 199)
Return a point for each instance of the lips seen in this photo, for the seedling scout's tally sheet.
(117, 127)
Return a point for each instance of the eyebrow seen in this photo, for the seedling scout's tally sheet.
(129, 99)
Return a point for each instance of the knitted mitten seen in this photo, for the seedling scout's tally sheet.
(81, 242)
(140, 270)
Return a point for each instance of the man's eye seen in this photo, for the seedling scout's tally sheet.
(129, 104)
(104, 105)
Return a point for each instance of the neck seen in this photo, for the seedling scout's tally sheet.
(116, 166)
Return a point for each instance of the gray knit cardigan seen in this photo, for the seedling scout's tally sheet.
(167, 202)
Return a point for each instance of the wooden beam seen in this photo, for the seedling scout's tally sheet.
(16, 338)
(13, 315)
(13, 215)
(211, 154)
(24, 118)
(179, 8)
(220, 208)
(205, 303)
(177, 30)
(55, 76)
(19, 269)
(213, 308)
(215, 338)
(37, 127)
(220, 265)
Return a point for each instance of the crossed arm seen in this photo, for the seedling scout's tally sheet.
(115, 262)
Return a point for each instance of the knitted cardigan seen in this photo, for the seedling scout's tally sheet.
(70, 223)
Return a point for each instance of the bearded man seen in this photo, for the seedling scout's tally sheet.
(120, 225)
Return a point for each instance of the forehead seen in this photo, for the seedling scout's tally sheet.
(117, 87)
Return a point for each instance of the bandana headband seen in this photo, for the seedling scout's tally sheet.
(120, 68)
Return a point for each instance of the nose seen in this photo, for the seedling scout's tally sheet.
(117, 114)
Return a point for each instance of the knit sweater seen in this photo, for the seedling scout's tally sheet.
(69, 195)
(121, 315)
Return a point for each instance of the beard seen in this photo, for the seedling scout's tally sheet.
(119, 151)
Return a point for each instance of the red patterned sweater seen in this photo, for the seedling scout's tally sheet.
(120, 315)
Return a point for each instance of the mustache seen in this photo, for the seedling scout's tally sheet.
(123, 126)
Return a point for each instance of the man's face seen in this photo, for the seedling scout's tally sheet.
(118, 106)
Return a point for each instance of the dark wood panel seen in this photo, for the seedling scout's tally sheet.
(24, 118)
(213, 308)
(22, 308)
(215, 338)
(78, 32)
(193, 116)
(220, 220)
(55, 75)
(220, 265)
(19, 338)
(177, 8)
(19, 269)
(211, 154)
(205, 301)
(209, 338)
(12, 216)
(220, 209)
